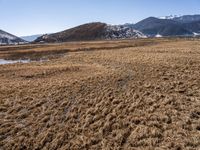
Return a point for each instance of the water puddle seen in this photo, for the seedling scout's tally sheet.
(4, 62)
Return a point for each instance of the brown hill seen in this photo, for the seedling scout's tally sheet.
(91, 31)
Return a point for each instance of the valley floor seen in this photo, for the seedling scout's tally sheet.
(102, 95)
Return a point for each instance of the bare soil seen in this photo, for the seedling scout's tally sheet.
(141, 94)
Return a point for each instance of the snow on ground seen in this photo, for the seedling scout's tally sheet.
(196, 34)
(158, 36)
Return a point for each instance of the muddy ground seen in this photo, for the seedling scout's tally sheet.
(144, 96)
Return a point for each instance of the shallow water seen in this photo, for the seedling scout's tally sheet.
(4, 62)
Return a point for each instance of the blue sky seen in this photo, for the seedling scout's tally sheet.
(27, 17)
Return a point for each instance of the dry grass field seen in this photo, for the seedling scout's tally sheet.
(131, 94)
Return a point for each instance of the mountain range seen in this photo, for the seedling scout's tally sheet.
(187, 25)
(92, 31)
(31, 38)
(178, 26)
(164, 27)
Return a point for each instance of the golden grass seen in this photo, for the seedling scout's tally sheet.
(44, 51)
(129, 96)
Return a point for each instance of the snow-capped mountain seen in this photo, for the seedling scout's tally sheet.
(173, 25)
(182, 18)
(7, 39)
(154, 27)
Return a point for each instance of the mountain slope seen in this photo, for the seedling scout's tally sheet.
(193, 26)
(189, 22)
(153, 26)
(7, 38)
(91, 31)
(187, 18)
(84, 32)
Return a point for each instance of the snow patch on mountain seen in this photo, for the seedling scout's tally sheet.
(5, 35)
(169, 17)
(8, 39)
(122, 32)
(196, 34)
